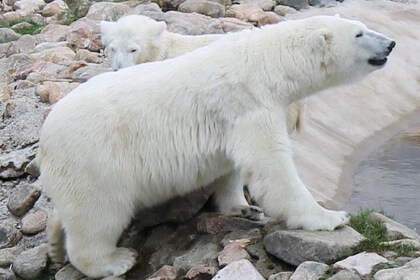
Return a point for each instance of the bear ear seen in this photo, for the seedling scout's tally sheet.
(160, 27)
(106, 29)
(323, 37)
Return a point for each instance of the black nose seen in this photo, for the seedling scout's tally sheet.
(391, 46)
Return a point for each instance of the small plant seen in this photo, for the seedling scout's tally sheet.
(31, 30)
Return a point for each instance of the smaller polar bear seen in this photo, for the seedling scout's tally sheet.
(134, 138)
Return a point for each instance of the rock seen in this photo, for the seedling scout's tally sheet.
(69, 71)
(284, 10)
(5, 93)
(268, 18)
(200, 253)
(234, 25)
(216, 223)
(89, 57)
(203, 7)
(12, 165)
(245, 12)
(322, 3)
(394, 230)
(266, 5)
(82, 36)
(151, 10)
(201, 272)
(7, 274)
(21, 25)
(69, 272)
(23, 199)
(309, 270)
(250, 236)
(400, 261)
(49, 45)
(107, 11)
(55, 8)
(8, 256)
(410, 271)
(240, 270)
(403, 242)
(55, 32)
(362, 263)
(166, 272)
(192, 23)
(281, 276)
(9, 236)
(170, 4)
(29, 6)
(52, 92)
(25, 44)
(31, 263)
(8, 35)
(345, 275)
(231, 253)
(85, 73)
(296, 4)
(57, 55)
(34, 223)
(9, 2)
(297, 246)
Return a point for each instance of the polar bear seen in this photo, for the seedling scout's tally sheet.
(135, 39)
(134, 138)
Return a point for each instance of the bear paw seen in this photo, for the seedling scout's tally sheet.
(122, 260)
(247, 211)
(323, 220)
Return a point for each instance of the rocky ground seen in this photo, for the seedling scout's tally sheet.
(60, 49)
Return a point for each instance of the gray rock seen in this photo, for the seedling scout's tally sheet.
(240, 270)
(266, 5)
(85, 73)
(34, 223)
(69, 272)
(410, 271)
(8, 256)
(345, 275)
(297, 246)
(31, 263)
(151, 10)
(200, 253)
(192, 23)
(232, 252)
(25, 44)
(322, 3)
(203, 7)
(281, 276)
(23, 199)
(9, 236)
(251, 236)
(29, 6)
(297, 4)
(394, 230)
(12, 165)
(284, 10)
(166, 272)
(201, 272)
(107, 11)
(309, 271)
(362, 263)
(8, 35)
(7, 274)
(54, 32)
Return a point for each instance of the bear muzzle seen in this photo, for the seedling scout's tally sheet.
(380, 61)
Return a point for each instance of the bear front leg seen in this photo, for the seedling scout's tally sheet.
(230, 200)
(260, 146)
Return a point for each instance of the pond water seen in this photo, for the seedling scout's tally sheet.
(389, 179)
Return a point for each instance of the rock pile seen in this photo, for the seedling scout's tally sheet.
(38, 68)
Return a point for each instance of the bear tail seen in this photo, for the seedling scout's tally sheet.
(55, 236)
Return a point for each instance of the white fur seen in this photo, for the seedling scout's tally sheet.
(137, 137)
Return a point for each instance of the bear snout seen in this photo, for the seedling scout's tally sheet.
(391, 46)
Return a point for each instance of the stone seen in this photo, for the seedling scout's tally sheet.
(57, 55)
(49, 45)
(8, 35)
(8, 256)
(12, 164)
(345, 275)
(85, 73)
(268, 18)
(234, 25)
(400, 261)
(362, 263)
(7, 274)
(9, 236)
(55, 8)
(281, 276)
(322, 3)
(245, 12)
(34, 223)
(55, 32)
(200, 253)
(21, 25)
(403, 242)
(29, 6)
(409, 271)
(217, 223)
(23, 199)
(107, 11)
(166, 272)
(69, 272)
(201, 272)
(192, 23)
(240, 270)
(203, 7)
(231, 253)
(151, 10)
(44, 71)
(394, 230)
(309, 270)
(25, 44)
(31, 263)
(89, 57)
(296, 4)
(82, 36)
(266, 5)
(5, 93)
(250, 236)
(284, 10)
(297, 246)
(52, 92)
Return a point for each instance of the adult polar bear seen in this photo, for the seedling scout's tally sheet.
(131, 139)
(135, 39)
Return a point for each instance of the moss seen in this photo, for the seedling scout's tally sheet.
(31, 30)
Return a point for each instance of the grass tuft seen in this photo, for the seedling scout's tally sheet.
(30, 30)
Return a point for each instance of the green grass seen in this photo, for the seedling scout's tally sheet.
(31, 30)
(375, 234)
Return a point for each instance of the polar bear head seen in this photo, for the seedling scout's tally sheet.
(343, 50)
(131, 40)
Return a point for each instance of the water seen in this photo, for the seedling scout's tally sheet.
(389, 179)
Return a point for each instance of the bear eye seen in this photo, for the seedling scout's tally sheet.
(133, 50)
(360, 34)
